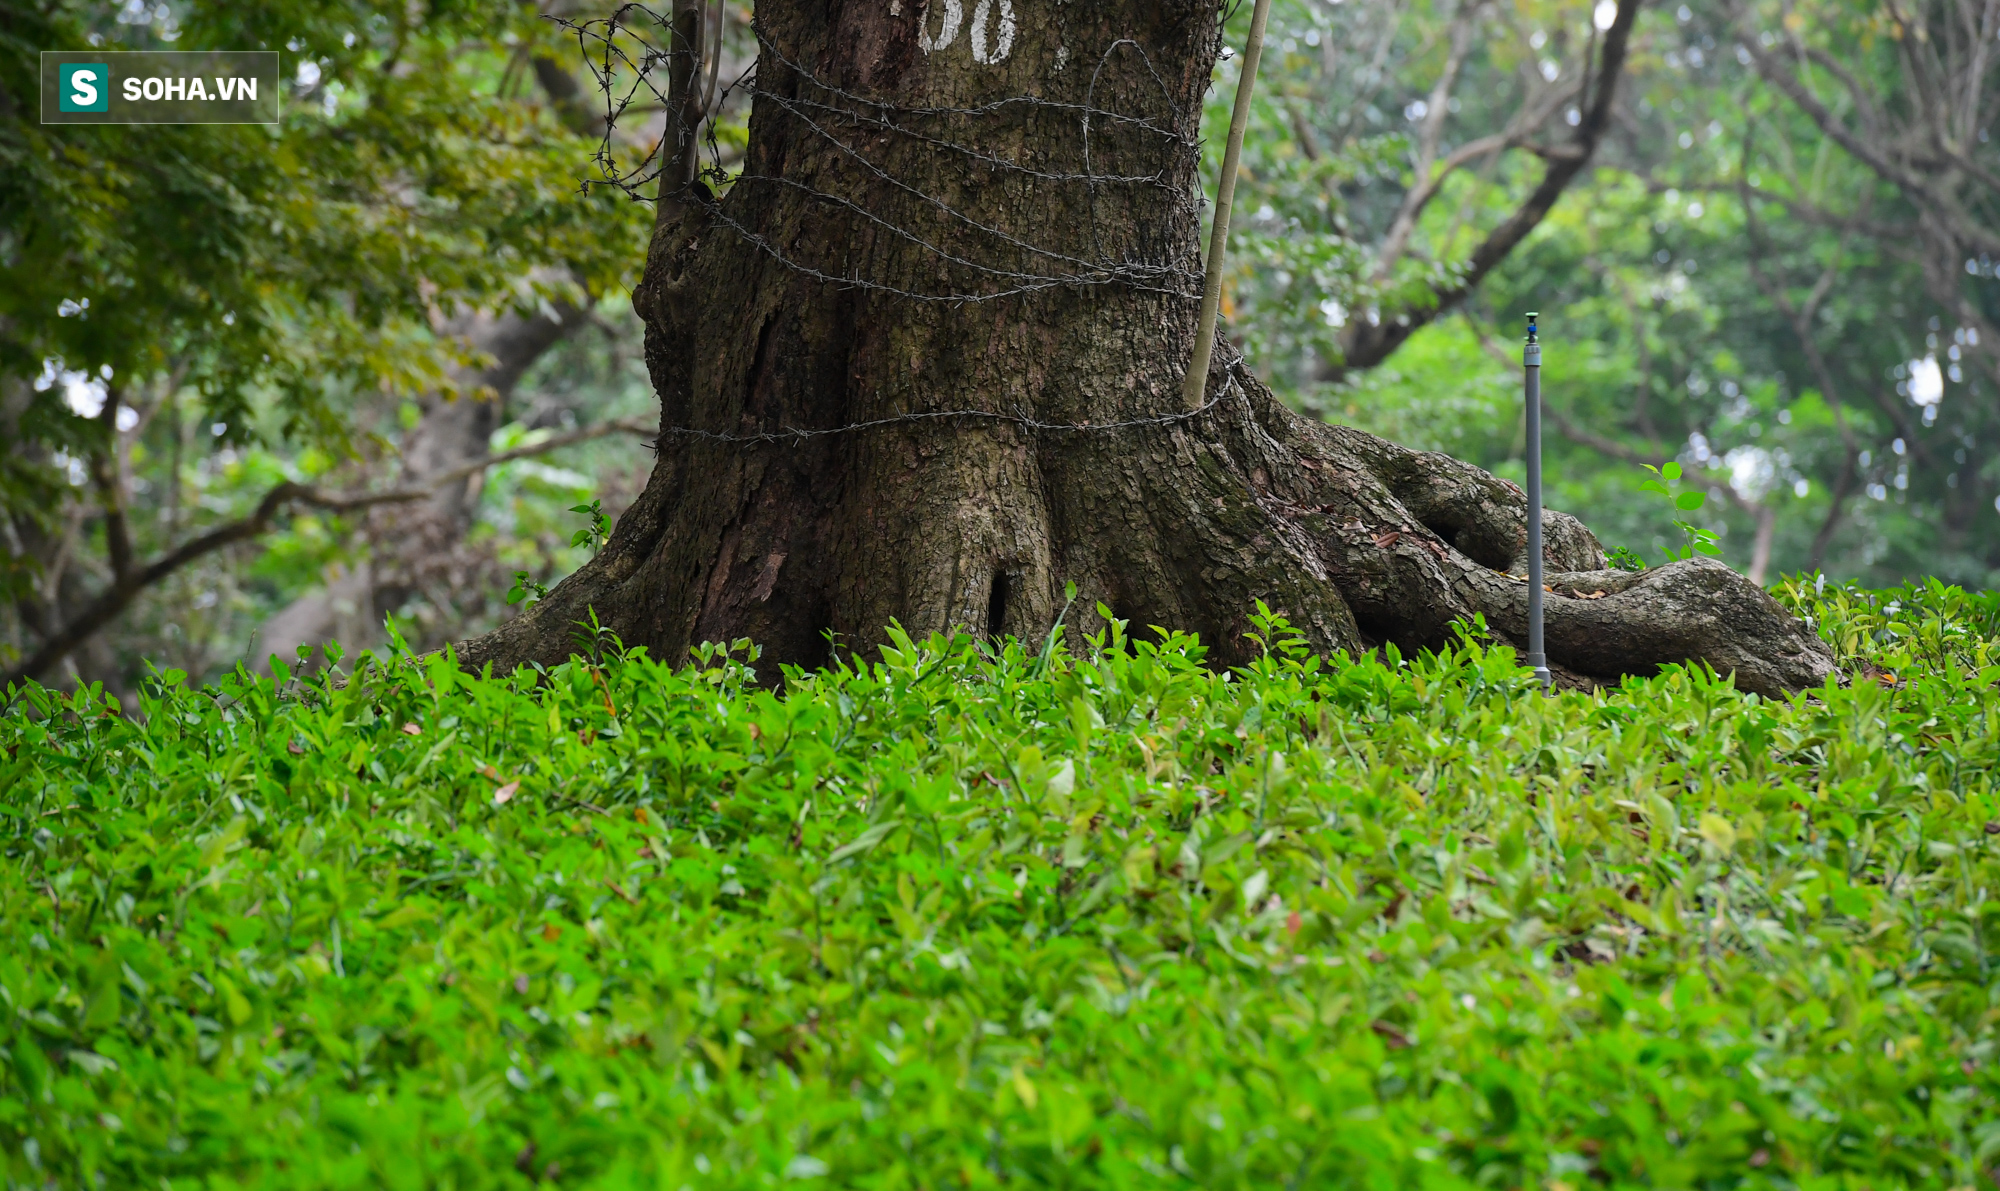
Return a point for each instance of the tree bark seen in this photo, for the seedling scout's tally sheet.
(913, 236)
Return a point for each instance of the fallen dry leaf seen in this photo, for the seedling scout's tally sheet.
(1387, 539)
(412, 729)
(505, 792)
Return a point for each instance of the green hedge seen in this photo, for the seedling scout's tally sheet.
(1090, 918)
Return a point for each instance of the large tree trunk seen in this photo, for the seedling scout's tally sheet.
(913, 234)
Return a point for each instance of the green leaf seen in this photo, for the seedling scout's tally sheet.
(1718, 831)
(1145, 916)
(90, 1062)
(31, 1067)
(865, 841)
(1671, 470)
(1690, 501)
(404, 915)
(218, 845)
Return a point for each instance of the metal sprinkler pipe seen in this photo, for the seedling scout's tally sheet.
(1531, 360)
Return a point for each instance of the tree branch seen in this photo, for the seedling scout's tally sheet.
(1797, 208)
(1428, 135)
(1916, 188)
(129, 582)
(1369, 344)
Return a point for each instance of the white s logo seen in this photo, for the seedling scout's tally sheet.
(83, 86)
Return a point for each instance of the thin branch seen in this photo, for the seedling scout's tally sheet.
(1369, 344)
(107, 474)
(1419, 198)
(1843, 487)
(1642, 406)
(127, 585)
(1874, 157)
(1438, 106)
(1373, 73)
(1801, 323)
(1799, 209)
(1864, 103)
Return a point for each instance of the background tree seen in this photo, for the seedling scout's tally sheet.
(1400, 154)
(179, 301)
(1719, 218)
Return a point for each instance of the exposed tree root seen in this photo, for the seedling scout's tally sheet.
(1358, 540)
(950, 482)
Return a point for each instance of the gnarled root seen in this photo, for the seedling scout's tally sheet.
(1607, 623)
(1357, 540)
(1414, 542)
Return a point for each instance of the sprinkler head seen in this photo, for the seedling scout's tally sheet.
(1532, 316)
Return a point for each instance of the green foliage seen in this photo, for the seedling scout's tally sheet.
(983, 913)
(594, 535)
(1699, 540)
(1623, 558)
(1334, 146)
(1665, 273)
(273, 276)
(525, 588)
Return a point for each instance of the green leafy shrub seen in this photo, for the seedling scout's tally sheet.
(1698, 540)
(1624, 558)
(965, 917)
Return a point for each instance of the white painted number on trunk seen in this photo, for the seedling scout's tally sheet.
(1003, 42)
(954, 16)
(990, 46)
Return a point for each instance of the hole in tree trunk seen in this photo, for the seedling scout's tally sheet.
(996, 606)
(1134, 623)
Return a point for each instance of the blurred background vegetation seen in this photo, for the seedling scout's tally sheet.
(263, 387)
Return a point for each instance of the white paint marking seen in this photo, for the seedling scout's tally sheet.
(1004, 43)
(954, 16)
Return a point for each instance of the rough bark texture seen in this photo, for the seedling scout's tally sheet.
(977, 523)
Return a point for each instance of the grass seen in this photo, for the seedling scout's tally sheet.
(1085, 919)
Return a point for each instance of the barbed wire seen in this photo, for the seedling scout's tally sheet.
(789, 435)
(825, 110)
(985, 261)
